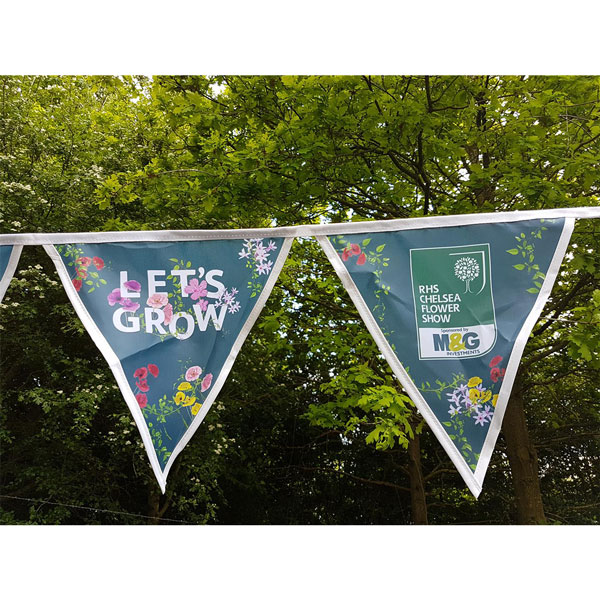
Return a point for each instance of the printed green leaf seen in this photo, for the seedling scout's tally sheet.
(366, 242)
(533, 290)
(380, 248)
(519, 267)
(513, 251)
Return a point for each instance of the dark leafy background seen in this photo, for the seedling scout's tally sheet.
(311, 427)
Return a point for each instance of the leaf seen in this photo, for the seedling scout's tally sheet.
(513, 251)
(519, 267)
(533, 290)
(380, 248)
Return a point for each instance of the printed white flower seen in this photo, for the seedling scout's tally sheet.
(243, 253)
(260, 254)
(233, 308)
(264, 267)
(271, 246)
(480, 419)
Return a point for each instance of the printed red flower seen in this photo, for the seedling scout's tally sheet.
(84, 261)
(346, 254)
(153, 369)
(98, 263)
(502, 371)
(361, 259)
(495, 361)
(142, 400)
(81, 273)
(355, 248)
(495, 374)
(206, 382)
(76, 283)
(141, 373)
(143, 385)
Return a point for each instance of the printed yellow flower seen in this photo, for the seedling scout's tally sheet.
(196, 408)
(474, 395)
(179, 397)
(474, 381)
(487, 396)
(189, 400)
(184, 386)
(495, 399)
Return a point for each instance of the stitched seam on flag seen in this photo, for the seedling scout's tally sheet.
(111, 358)
(11, 267)
(298, 230)
(396, 366)
(519, 347)
(237, 345)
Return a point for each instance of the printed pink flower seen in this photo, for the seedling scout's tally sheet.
(495, 374)
(115, 297)
(141, 373)
(195, 289)
(132, 285)
(203, 304)
(153, 370)
(98, 263)
(346, 254)
(206, 382)
(142, 400)
(84, 261)
(157, 300)
(193, 373)
(168, 312)
(361, 259)
(355, 248)
(495, 361)
(129, 305)
(143, 385)
(81, 273)
(76, 283)
(502, 371)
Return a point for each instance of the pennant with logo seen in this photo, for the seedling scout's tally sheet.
(451, 308)
(9, 258)
(169, 318)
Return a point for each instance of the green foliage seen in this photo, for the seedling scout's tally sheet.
(311, 426)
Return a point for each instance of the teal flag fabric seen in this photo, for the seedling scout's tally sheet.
(451, 309)
(170, 318)
(9, 258)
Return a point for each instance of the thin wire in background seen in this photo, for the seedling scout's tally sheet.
(95, 509)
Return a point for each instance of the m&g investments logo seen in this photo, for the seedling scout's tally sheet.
(454, 304)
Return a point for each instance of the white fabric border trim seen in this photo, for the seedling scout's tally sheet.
(32, 239)
(113, 362)
(398, 369)
(228, 364)
(11, 267)
(518, 348)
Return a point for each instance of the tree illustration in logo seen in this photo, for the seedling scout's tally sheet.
(466, 269)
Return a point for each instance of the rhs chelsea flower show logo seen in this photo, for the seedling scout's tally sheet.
(453, 300)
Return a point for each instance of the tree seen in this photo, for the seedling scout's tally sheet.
(332, 421)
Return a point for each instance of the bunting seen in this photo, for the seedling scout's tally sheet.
(450, 302)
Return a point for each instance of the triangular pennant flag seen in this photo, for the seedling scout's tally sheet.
(451, 309)
(170, 319)
(9, 258)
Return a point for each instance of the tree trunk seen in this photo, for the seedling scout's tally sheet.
(418, 502)
(153, 505)
(523, 461)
